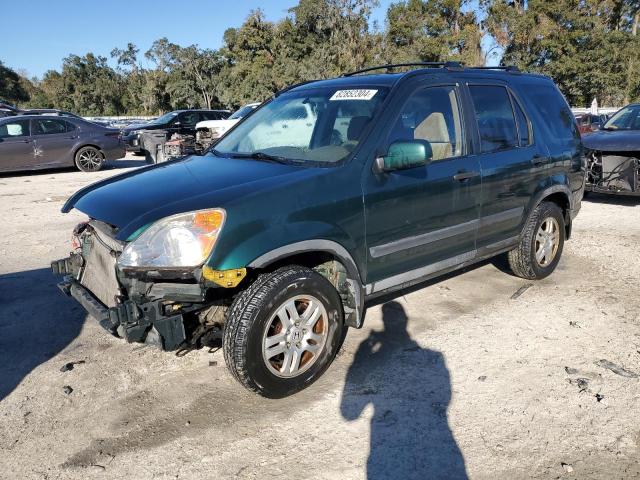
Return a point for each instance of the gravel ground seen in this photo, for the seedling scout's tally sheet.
(460, 378)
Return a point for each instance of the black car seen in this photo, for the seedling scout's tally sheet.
(327, 197)
(178, 121)
(613, 156)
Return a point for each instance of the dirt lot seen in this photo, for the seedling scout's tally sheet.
(459, 378)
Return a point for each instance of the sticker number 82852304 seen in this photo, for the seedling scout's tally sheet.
(359, 94)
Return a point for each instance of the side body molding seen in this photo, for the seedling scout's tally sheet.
(353, 319)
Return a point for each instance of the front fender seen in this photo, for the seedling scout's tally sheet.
(274, 244)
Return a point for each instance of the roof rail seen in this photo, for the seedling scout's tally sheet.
(448, 65)
(506, 68)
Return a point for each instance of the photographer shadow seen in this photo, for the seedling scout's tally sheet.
(409, 389)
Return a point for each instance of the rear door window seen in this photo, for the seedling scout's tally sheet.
(46, 126)
(16, 129)
(494, 115)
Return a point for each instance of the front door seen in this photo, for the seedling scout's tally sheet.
(16, 148)
(423, 219)
(54, 139)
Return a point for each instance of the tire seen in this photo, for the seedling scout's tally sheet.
(256, 316)
(546, 219)
(149, 158)
(89, 159)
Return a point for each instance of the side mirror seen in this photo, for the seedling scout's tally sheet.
(405, 154)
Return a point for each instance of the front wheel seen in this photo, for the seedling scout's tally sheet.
(89, 159)
(541, 243)
(283, 331)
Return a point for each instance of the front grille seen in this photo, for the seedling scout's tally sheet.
(99, 272)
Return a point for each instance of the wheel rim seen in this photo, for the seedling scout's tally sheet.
(547, 241)
(90, 159)
(295, 336)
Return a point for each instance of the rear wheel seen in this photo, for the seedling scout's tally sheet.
(89, 159)
(541, 243)
(283, 332)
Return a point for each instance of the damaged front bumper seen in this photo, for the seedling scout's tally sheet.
(614, 173)
(144, 323)
(169, 309)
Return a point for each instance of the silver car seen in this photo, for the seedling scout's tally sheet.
(51, 141)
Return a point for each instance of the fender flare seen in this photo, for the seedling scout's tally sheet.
(320, 245)
(544, 193)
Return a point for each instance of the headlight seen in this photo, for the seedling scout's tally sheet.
(183, 240)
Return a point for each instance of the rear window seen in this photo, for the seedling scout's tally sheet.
(494, 114)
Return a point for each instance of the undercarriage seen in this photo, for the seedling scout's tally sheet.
(613, 172)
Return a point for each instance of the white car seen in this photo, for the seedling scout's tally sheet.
(218, 128)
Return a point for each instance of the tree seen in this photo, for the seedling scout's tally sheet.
(437, 30)
(12, 86)
(586, 46)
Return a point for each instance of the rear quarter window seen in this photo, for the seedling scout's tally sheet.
(556, 118)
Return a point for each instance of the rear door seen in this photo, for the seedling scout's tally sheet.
(16, 147)
(508, 158)
(423, 219)
(54, 140)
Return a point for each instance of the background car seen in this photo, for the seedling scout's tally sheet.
(217, 128)
(613, 154)
(47, 141)
(179, 121)
(589, 122)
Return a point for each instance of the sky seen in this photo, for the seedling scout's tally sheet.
(48, 31)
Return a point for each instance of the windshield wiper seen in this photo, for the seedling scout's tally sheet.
(261, 156)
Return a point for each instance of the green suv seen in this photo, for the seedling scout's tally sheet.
(330, 194)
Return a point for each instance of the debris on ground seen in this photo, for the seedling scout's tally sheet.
(213, 363)
(67, 389)
(583, 384)
(567, 468)
(521, 290)
(575, 324)
(617, 369)
(69, 366)
(599, 397)
(571, 371)
(482, 378)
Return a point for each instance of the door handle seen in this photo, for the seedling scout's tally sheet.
(539, 160)
(462, 176)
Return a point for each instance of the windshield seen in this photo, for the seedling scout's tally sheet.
(319, 125)
(242, 112)
(626, 119)
(166, 118)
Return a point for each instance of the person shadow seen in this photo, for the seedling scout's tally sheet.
(410, 390)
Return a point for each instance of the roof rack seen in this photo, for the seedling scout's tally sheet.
(506, 68)
(447, 65)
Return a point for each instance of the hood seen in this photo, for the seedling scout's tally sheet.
(226, 124)
(137, 198)
(613, 140)
(141, 126)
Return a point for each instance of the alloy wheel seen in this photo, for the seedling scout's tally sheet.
(547, 241)
(295, 336)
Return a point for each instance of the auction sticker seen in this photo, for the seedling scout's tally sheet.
(353, 94)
